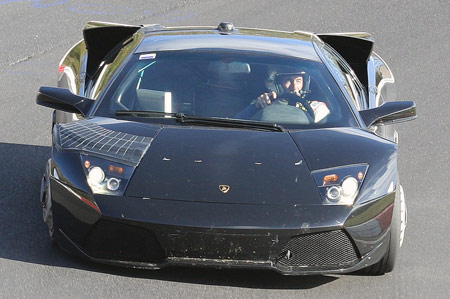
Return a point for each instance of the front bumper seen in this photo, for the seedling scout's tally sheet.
(152, 234)
(375, 255)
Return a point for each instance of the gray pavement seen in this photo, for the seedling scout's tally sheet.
(412, 36)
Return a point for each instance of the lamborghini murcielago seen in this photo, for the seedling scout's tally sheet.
(225, 147)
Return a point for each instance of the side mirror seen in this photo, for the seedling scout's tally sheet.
(389, 113)
(64, 100)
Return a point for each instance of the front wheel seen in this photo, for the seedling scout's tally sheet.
(47, 211)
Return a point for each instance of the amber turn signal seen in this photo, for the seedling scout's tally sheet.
(360, 175)
(116, 169)
(330, 179)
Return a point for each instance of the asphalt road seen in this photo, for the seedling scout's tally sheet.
(412, 36)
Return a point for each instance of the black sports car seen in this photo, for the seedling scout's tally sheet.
(225, 147)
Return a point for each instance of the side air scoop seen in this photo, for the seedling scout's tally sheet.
(101, 38)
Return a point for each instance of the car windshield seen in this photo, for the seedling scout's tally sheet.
(293, 92)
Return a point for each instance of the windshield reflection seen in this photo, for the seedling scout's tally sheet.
(294, 92)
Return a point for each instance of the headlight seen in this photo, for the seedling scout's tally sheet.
(334, 193)
(349, 186)
(106, 177)
(340, 185)
(113, 184)
(95, 175)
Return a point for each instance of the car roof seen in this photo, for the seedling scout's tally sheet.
(293, 44)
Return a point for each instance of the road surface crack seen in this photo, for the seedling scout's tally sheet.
(34, 55)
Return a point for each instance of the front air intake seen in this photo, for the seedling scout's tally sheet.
(118, 241)
(327, 250)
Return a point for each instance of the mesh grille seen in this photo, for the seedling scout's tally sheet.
(117, 241)
(331, 250)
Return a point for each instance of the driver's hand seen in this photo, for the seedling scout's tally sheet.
(265, 99)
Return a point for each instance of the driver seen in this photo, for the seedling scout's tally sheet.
(287, 89)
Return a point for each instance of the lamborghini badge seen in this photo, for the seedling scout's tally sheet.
(224, 188)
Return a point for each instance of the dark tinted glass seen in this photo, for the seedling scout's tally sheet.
(229, 85)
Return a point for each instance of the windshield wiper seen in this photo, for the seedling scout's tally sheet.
(228, 122)
(145, 113)
(214, 121)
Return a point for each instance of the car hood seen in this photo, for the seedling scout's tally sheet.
(224, 165)
(332, 147)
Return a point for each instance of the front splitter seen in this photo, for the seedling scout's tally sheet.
(371, 258)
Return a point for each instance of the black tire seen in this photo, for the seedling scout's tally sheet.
(387, 263)
(47, 211)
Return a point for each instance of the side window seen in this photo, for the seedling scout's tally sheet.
(345, 75)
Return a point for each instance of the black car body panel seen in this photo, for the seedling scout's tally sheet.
(213, 191)
(204, 233)
(189, 164)
(203, 224)
(298, 47)
(329, 148)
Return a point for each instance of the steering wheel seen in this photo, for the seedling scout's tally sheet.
(281, 112)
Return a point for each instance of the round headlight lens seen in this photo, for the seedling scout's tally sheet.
(349, 186)
(96, 175)
(113, 184)
(334, 193)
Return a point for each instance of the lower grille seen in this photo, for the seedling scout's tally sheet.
(327, 250)
(118, 241)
